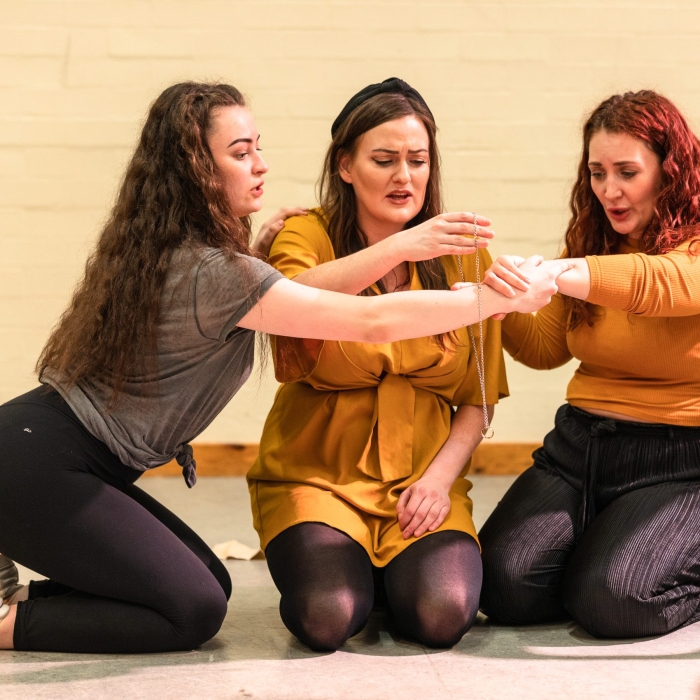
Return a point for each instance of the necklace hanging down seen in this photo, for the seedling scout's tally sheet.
(487, 430)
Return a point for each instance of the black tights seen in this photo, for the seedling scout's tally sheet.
(326, 582)
(126, 575)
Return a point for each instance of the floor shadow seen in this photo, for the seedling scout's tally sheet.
(568, 640)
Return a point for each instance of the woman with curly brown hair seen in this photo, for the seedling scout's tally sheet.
(157, 339)
(604, 526)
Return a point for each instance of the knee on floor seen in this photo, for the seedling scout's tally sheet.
(324, 620)
(605, 607)
(442, 623)
(510, 593)
(201, 615)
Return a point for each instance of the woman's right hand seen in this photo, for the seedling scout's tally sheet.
(269, 230)
(539, 289)
(446, 234)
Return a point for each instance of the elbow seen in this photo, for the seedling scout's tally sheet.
(554, 361)
(376, 327)
(541, 361)
(378, 332)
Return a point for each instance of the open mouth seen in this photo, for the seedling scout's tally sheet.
(618, 212)
(257, 191)
(399, 197)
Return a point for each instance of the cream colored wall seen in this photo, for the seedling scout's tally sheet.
(508, 82)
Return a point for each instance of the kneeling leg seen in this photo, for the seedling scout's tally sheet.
(433, 586)
(636, 570)
(526, 545)
(325, 579)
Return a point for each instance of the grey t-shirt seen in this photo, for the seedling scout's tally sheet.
(203, 360)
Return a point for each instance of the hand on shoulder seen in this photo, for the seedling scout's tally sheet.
(266, 235)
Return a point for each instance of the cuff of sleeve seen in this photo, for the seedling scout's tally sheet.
(249, 303)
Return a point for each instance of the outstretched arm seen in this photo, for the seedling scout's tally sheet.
(646, 285)
(299, 311)
(446, 234)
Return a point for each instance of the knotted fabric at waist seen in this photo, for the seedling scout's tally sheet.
(392, 423)
(185, 458)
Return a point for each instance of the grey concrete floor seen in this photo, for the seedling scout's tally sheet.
(255, 657)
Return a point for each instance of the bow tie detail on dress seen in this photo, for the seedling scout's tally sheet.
(393, 421)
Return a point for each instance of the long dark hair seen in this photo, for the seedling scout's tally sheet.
(337, 197)
(171, 195)
(652, 118)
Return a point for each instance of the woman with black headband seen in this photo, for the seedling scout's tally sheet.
(359, 485)
(157, 339)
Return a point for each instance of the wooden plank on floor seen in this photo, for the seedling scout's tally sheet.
(236, 460)
(503, 457)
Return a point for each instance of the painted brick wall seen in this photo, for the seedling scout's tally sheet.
(508, 82)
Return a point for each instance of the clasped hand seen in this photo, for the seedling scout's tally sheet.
(530, 283)
(266, 235)
(423, 506)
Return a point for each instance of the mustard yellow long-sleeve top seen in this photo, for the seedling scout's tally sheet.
(641, 356)
(355, 424)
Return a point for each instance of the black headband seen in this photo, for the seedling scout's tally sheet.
(390, 85)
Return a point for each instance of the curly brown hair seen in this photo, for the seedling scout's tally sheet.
(654, 119)
(171, 195)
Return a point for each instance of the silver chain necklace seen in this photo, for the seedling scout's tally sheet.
(487, 430)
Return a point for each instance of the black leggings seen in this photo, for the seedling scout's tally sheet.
(125, 574)
(327, 583)
(605, 528)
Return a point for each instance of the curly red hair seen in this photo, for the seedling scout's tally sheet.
(654, 119)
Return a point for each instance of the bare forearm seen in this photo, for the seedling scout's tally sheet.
(465, 436)
(299, 311)
(575, 282)
(353, 273)
(434, 312)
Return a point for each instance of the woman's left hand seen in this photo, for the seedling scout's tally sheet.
(266, 235)
(505, 275)
(423, 507)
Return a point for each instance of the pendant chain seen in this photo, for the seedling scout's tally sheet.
(487, 430)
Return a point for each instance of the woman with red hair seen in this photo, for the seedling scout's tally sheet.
(604, 527)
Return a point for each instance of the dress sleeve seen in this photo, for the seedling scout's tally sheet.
(538, 340)
(647, 285)
(301, 245)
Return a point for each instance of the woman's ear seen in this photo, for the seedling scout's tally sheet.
(343, 165)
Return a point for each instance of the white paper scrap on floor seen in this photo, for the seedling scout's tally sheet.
(254, 656)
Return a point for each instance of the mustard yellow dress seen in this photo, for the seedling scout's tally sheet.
(354, 424)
